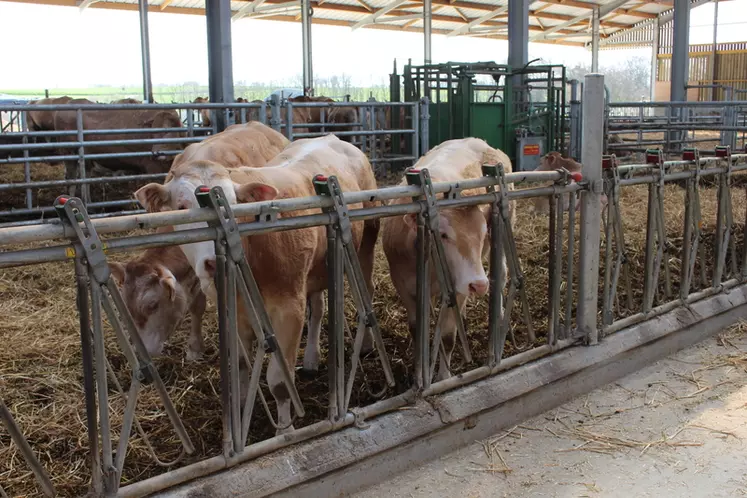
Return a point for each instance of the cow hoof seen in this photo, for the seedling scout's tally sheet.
(308, 373)
(193, 356)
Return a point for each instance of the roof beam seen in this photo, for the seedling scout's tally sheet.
(476, 22)
(664, 18)
(603, 11)
(165, 4)
(247, 9)
(589, 5)
(371, 18)
(83, 5)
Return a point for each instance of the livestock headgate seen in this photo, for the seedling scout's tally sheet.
(589, 301)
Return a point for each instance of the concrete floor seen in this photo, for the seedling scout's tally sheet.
(676, 428)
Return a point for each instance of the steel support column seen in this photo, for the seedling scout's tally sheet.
(308, 69)
(654, 57)
(591, 211)
(595, 40)
(220, 66)
(145, 51)
(681, 44)
(714, 90)
(518, 45)
(427, 15)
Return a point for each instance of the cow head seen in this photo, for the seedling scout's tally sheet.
(553, 161)
(178, 194)
(463, 234)
(166, 119)
(154, 298)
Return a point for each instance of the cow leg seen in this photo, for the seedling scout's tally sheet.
(71, 173)
(195, 344)
(311, 354)
(448, 337)
(287, 320)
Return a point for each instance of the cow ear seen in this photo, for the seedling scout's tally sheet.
(118, 272)
(153, 197)
(255, 192)
(411, 221)
(168, 281)
(551, 159)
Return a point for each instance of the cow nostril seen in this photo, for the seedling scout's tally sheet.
(479, 287)
(210, 267)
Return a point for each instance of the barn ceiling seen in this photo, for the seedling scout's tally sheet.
(567, 22)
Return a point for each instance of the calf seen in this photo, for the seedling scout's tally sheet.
(463, 232)
(289, 266)
(158, 287)
(553, 161)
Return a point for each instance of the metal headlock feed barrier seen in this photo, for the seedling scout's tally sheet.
(576, 340)
(142, 154)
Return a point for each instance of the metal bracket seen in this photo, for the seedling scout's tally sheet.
(268, 213)
(72, 212)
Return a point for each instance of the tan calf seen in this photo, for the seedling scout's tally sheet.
(289, 266)
(463, 232)
(159, 287)
(551, 162)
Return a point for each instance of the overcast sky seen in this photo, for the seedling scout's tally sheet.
(61, 47)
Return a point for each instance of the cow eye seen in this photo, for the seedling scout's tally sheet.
(444, 236)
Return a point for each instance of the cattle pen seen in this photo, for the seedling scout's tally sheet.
(590, 294)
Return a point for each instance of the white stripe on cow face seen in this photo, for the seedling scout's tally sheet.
(199, 253)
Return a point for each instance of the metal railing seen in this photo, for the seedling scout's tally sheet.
(673, 125)
(669, 277)
(107, 164)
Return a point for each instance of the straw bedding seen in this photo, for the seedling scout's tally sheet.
(40, 357)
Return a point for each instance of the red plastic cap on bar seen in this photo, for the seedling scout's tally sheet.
(204, 189)
(320, 178)
(62, 201)
(688, 155)
(413, 170)
(577, 177)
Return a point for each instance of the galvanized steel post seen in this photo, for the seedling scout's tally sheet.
(427, 18)
(308, 71)
(424, 118)
(575, 125)
(714, 95)
(220, 67)
(654, 58)
(145, 51)
(591, 158)
(595, 40)
(680, 65)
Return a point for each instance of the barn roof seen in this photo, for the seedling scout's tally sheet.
(623, 22)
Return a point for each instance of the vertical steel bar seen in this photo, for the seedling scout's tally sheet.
(26, 164)
(220, 66)
(84, 188)
(427, 23)
(308, 71)
(680, 67)
(719, 249)
(424, 120)
(593, 126)
(145, 51)
(497, 281)
(649, 285)
(654, 58)
(557, 266)
(422, 298)
(595, 39)
(569, 277)
(234, 355)
(336, 318)
(289, 120)
(227, 377)
(685, 275)
(17, 437)
(714, 73)
(81, 277)
(111, 479)
(607, 303)
(275, 119)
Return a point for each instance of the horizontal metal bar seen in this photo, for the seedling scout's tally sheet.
(102, 143)
(352, 133)
(40, 233)
(50, 209)
(85, 181)
(112, 131)
(187, 106)
(72, 157)
(737, 103)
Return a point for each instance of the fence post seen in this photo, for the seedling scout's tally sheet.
(275, 113)
(591, 213)
(424, 126)
(575, 125)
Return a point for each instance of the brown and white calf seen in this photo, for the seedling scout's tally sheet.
(463, 232)
(158, 288)
(289, 266)
(551, 162)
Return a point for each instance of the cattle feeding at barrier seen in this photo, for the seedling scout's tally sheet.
(289, 266)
